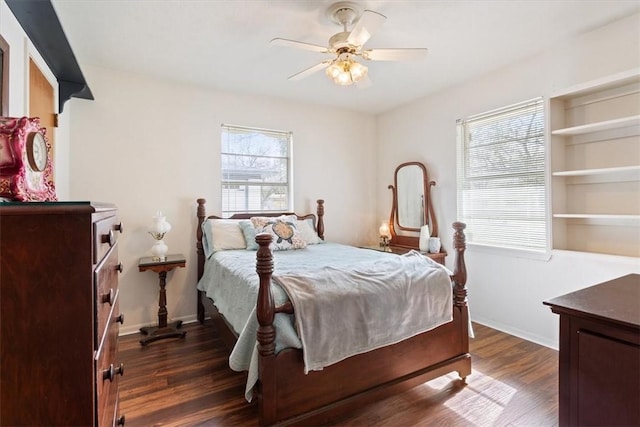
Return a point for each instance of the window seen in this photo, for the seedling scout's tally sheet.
(256, 170)
(501, 177)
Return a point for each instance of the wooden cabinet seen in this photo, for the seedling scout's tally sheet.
(595, 166)
(59, 317)
(600, 354)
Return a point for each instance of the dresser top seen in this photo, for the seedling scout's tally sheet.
(25, 208)
(616, 300)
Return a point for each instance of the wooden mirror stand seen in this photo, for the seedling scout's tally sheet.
(409, 239)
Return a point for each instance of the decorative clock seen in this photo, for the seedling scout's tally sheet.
(26, 169)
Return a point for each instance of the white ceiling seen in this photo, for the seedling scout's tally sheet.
(224, 44)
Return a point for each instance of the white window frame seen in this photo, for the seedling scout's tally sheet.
(231, 183)
(486, 217)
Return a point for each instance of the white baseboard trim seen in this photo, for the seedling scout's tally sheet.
(544, 341)
(134, 329)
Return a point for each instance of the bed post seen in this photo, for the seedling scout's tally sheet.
(265, 311)
(320, 213)
(460, 270)
(460, 296)
(200, 253)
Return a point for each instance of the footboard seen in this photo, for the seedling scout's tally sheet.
(286, 394)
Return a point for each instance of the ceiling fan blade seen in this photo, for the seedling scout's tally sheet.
(408, 54)
(307, 72)
(299, 45)
(364, 83)
(366, 26)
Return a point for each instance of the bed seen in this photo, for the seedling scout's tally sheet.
(287, 392)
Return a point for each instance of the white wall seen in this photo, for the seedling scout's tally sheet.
(505, 291)
(149, 145)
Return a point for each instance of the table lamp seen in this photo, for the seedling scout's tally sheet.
(159, 228)
(384, 235)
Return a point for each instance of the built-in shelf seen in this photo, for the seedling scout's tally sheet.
(602, 219)
(592, 125)
(630, 170)
(599, 126)
(597, 216)
(616, 80)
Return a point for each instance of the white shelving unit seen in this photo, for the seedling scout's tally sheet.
(599, 126)
(595, 166)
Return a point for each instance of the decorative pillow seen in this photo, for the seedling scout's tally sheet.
(221, 234)
(249, 234)
(283, 230)
(307, 232)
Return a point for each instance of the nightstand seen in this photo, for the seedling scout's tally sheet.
(399, 250)
(164, 329)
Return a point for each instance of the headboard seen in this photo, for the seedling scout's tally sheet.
(317, 218)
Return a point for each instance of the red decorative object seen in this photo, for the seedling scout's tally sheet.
(26, 167)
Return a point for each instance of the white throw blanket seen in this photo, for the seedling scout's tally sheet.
(341, 312)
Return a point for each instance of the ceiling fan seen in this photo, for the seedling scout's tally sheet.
(347, 45)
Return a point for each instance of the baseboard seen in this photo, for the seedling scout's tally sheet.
(525, 335)
(134, 329)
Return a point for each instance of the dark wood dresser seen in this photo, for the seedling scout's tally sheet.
(59, 317)
(600, 354)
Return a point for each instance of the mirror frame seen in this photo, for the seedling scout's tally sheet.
(411, 241)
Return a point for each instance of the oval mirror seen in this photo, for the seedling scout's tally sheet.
(410, 186)
(411, 190)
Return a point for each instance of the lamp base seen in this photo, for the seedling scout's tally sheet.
(159, 251)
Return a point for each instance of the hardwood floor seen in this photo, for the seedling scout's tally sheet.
(187, 382)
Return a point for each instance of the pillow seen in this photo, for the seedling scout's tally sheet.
(307, 232)
(220, 235)
(249, 234)
(283, 230)
(305, 228)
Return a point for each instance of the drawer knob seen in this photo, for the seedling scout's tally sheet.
(111, 372)
(119, 227)
(109, 238)
(109, 297)
(119, 267)
(120, 319)
(121, 420)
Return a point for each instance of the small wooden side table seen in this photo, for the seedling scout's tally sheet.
(399, 250)
(164, 329)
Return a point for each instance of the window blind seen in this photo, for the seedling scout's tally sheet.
(256, 170)
(501, 177)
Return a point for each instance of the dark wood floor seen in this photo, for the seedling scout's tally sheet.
(178, 382)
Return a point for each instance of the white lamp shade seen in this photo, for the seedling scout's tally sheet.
(160, 224)
(346, 71)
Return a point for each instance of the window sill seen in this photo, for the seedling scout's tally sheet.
(511, 252)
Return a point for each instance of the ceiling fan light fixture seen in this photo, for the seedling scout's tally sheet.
(358, 71)
(358, 26)
(345, 72)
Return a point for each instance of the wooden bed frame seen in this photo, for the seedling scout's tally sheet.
(287, 396)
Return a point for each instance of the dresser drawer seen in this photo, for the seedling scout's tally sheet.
(106, 282)
(108, 372)
(105, 236)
